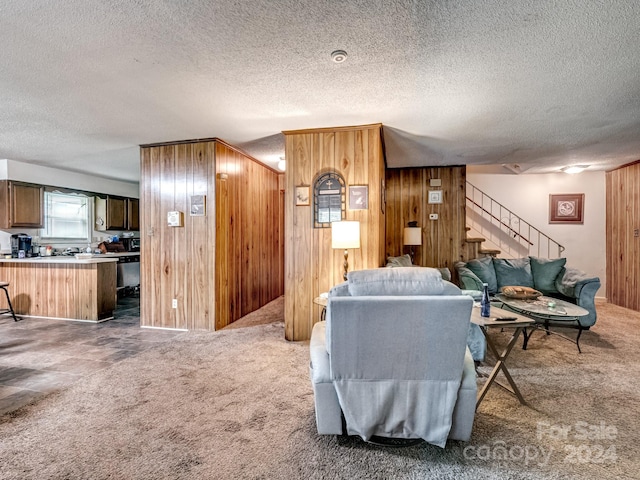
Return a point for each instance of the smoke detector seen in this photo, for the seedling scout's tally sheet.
(338, 56)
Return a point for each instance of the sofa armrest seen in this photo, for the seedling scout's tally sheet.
(467, 279)
(581, 287)
(570, 281)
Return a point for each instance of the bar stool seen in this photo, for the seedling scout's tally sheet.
(3, 286)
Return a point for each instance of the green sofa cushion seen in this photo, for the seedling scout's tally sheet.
(545, 271)
(485, 271)
(467, 279)
(401, 261)
(513, 271)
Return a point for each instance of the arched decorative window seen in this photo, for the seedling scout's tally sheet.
(329, 199)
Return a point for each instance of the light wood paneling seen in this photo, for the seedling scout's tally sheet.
(443, 240)
(79, 291)
(311, 265)
(623, 236)
(220, 266)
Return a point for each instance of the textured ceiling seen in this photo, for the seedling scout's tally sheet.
(535, 85)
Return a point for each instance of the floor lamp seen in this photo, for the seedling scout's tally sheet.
(345, 235)
(412, 237)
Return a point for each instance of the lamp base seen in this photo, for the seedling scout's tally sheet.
(346, 264)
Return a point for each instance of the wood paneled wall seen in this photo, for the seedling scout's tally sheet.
(623, 245)
(443, 240)
(311, 265)
(214, 265)
(249, 229)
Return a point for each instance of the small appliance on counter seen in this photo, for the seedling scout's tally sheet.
(20, 245)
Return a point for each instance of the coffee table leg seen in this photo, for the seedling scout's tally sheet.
(500, 365)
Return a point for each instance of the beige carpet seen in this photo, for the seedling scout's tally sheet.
(238, 404)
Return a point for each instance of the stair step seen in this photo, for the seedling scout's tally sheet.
(475, 239)
(489, 251)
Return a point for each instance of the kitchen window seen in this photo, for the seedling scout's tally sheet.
(66, 217)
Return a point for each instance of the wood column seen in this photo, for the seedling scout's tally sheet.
(311, 265)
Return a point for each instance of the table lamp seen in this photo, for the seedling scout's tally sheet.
(412, 237)
(345, 234)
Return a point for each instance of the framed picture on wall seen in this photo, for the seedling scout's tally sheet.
(302, 195)
(566, 208)
(358, 197)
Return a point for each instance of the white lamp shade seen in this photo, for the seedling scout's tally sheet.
(412, 236)
(345, 234)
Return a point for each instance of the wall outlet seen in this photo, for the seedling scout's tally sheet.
(433, 216)
(174, 303)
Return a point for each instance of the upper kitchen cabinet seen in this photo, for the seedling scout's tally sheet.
(117, 213)
(133, 212)
(22, 205)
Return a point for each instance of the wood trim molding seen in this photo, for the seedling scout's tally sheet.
(212, 139)
(332, 129)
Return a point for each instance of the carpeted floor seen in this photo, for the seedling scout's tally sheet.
(238, 404)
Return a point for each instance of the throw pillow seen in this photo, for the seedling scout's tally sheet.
(485, 271)
(467, 279)
(545, 271)
(401, 261)
(513, 271)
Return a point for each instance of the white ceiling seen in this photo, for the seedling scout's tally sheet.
(537, 84)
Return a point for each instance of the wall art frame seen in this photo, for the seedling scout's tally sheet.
(566, 208)
(358, 197)
(302, 195)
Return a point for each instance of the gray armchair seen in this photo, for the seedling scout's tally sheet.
(392, 359)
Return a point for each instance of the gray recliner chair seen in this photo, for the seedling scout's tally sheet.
(391, 359)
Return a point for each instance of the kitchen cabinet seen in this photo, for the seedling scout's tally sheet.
(133, 212)
(117, 213)
(22, 205)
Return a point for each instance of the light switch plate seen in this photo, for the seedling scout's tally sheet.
(435, 182)
(433, 216)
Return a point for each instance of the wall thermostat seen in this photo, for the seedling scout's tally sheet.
(175, 219)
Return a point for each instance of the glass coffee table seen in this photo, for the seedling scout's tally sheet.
(546, 312)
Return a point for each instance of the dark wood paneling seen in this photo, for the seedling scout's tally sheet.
(407, 200)
(623, 244)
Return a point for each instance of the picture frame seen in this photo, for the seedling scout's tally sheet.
(358, 197)
(302, 195)
(198, 205)
(435, 196)
(566, 208)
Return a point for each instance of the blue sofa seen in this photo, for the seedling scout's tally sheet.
(549, 276)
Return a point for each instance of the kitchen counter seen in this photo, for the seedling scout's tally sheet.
(62, 287)
(61, 259)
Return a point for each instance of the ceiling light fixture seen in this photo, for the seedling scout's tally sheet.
(338, 56)
(575, 168)
(282, 165)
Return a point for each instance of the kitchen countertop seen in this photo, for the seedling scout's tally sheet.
(62, 259)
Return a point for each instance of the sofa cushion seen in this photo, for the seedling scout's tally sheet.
(395, 281)
(467, 279)
(513, 271)
(545, 271)
(401, 261)
(485, 271)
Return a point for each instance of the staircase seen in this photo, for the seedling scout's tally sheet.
(493, 229)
